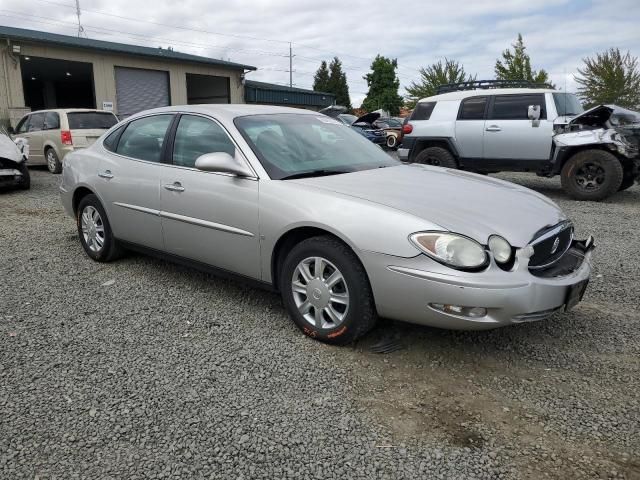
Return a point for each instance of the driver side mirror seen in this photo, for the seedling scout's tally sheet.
(534, 112)
(10, 130)
(222, 162)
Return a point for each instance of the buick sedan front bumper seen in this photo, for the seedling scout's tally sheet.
(418, 289)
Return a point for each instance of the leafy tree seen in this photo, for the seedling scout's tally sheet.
(321, 78)
(383, 86)
(516, 65)
(432, 77)
(337, 84)
(610, 77)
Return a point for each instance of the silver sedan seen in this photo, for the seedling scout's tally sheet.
(297, 202)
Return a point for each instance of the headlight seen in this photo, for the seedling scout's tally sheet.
(451, 249)
(500, 248)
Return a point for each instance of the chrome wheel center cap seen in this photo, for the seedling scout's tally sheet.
(318, 293)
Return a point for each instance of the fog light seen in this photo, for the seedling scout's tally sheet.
(473, 312)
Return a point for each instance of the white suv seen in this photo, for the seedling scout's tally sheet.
(477, 127)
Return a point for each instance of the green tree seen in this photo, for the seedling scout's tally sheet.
(321, 78)
(516, 65)
(383, 86)
(610, 77)
(432, 77)
(337, 84)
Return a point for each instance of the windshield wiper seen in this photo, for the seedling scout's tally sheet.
(314, 173)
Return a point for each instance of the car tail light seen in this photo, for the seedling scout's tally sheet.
(407, 128)
(65, 137)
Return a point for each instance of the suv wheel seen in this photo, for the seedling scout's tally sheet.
(326, 291)
(53, 162)
(627, 181)
(592, 175)
(436, 156)
(95, 232)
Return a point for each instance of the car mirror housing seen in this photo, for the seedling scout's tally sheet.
(533, 112)
(222, 162)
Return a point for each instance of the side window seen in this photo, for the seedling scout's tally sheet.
(22, 126)
(111, 142)
(36, 122)
(423, 111)
(143, 138)
(196, 136)
(516, 107)
(51, 121)
(472, 108)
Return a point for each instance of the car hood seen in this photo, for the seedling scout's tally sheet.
(595, 116)
(461, 202)
(368, 118)
(9, 150)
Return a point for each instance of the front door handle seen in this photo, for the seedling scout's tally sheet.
(106, 174)
(493, 128)
(174, 187)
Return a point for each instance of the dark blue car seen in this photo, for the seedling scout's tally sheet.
(363, 125)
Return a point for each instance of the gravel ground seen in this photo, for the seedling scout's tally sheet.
(143, 369)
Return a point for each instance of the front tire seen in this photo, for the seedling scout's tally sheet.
(25, 182)
(437, 157)
(53, 162)
(627, 181)
(95, 231)
(326, 291)
(592, 175)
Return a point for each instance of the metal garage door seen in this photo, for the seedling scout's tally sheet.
(138, 89)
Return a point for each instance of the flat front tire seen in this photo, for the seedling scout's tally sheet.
(592, 175)
(326, 291)
(437, 157)
(95, 231)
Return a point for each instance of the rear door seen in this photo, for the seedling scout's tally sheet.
(129, 183)
(87, 127)
(509, 134)
(470, 129)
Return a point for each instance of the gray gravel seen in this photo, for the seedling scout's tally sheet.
(143, 369)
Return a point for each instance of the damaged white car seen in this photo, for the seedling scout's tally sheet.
(490, 126)
(13, 162)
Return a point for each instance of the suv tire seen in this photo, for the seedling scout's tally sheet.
(53, 162)
(25, 183)
(592, 175)
(437, 157)
(338, 322)
(627, 181)
(95, 231)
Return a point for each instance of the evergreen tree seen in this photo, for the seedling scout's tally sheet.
(610, 77)
(383, 86)
(321, 78)
(337, 84)
(516, 65)
(432, 77)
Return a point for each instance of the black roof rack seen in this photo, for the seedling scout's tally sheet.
(488, 84)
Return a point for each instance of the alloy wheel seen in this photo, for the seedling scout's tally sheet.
(320, 292)
(590, 176)
(51, 160)
(92, 228)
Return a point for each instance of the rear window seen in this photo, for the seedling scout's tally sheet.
(91, 120)
(423, 111)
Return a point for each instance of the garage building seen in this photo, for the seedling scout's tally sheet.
(40, 70)
(272, 94)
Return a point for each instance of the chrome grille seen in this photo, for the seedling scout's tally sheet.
(550, 244)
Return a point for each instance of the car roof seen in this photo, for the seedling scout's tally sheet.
(485, 91)
(228, 111)
(70, 110)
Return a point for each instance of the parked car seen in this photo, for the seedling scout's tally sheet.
(392, 128)
(294, 201)
(13, 162)
(363, 125)
(484, 129)
(54, 133)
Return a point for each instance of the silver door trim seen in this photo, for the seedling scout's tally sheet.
(204, 223)
(137, 208)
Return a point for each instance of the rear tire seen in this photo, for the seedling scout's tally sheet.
(53, 162)
(326, 291)
(392, 142)
(95, 231)
(437, 157)
(592, 175)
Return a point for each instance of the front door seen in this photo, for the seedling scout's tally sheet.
(509, 134)
(130, 179)
(470, 129)
(32, 131)
(209, 217)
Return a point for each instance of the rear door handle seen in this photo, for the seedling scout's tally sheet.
(174, 187)
(106, 174)
(493, 128)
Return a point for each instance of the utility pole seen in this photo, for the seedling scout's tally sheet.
(290, 66)
(81, 31)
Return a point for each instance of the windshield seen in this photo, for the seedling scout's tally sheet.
(567, 104)
(292, 144)
(91, 120)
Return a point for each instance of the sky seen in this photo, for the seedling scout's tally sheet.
(558, 34)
